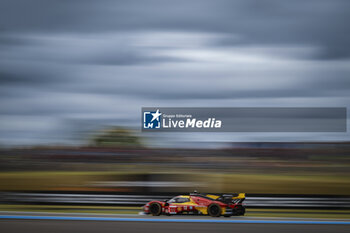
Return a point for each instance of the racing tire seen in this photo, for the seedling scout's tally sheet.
(240, 211)
(214, 210)
(155, 209)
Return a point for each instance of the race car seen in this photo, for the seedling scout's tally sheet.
(199, 204)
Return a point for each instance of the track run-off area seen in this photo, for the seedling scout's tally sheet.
(169, 219)
(72, 223)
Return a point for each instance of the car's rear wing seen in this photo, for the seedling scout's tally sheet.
(229, 197)
(239, 196)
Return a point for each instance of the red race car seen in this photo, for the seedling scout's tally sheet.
(199, 204)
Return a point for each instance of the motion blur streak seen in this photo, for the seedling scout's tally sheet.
(35, 226)
(139, 200)
(170, 220)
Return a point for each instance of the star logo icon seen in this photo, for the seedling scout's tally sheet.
(152, 119)
(156, 115)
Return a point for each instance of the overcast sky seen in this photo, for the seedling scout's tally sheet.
(71, 67)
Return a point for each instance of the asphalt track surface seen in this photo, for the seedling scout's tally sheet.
(72, 223)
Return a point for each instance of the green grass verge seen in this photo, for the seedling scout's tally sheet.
(295, 213)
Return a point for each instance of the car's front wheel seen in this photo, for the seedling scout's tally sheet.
(155, 209)
(214, 210)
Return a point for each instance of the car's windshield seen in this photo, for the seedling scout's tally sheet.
(172, 200)
(178, 200)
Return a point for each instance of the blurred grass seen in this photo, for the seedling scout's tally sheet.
(297, 213)
(71, 209)
(213, 182)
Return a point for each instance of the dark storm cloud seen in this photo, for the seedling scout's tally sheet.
(126, 58)
(8, 78)
(31, 73)
(320, 22)
(8, 41)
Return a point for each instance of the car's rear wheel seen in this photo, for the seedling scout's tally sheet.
(214, 210)
(155, 209)
(239, 211)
